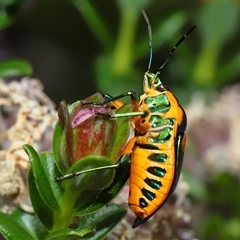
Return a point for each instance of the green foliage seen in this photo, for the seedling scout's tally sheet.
(12, 67)
(15, 67)
(115, 65)
(223, 199)
(215, 31)
(8, 10)
(201, 62)
(20, 225)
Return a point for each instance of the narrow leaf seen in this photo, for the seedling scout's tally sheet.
(44, 182)
(51, 170)
(42, 211)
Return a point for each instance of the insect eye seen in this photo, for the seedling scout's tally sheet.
(161, 87)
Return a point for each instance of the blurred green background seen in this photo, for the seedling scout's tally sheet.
(79, 47)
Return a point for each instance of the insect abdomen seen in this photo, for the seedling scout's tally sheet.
(151, 176)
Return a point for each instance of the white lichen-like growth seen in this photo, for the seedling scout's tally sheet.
(27, 116)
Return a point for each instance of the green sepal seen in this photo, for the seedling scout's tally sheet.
(63, 113)
(92, 180)
(60, 140)
(104, 220)
(57, 139)
(11, 229)
(97, 199)
(72, 234)
(44, 170)
(121, 134)
(15, 67)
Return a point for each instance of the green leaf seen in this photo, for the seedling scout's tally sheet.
(71, 234)
(104, 220)
(31, 223)
(44, 171)
(15, 67)
(12, 230)
(51, 170)
(42, 211)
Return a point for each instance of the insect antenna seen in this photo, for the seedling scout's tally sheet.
(150, 38)
(175, 47)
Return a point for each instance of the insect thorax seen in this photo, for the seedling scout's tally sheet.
(152, 81)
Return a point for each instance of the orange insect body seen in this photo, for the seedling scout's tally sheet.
(154, 148)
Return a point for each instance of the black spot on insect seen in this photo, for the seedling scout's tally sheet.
(157, 171)
(142, 203)
(153, 183)
(148, 194)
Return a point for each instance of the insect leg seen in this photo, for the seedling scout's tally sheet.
(110, 99)
(120, 115)
(74, 174)
(116, 103)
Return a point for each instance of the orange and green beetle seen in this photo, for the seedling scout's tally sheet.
(156, 151)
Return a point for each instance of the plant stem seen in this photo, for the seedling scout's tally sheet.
(64, 218)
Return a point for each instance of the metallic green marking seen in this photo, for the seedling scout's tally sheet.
(148, 194)
(153, 183)
(158, 157)
(158, 121)
(142, 203)
(158, 103)
(164, 136)
(157, 171)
